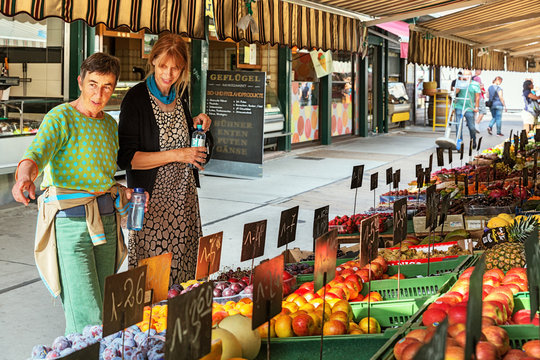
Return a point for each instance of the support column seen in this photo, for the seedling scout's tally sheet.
(379, 86)
(325, 115)
(284, 94)
(76, 56)
(199, 68)
(363, 97)
(90, 40)
(385, 89)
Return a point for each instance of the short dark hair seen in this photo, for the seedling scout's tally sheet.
(101, 63)
(527, 84)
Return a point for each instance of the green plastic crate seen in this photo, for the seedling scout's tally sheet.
(411, 288)
(337, 347)
(389, 314)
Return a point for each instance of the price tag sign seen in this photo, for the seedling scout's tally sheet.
(91, 352)
(470, 147)
(474, 309)
(209, 255)
(267, 291)
(287, 226)
(397, 178)
(427, 176)
(532, 255)
(536, 136)
(418, 169)
(461, 152)
(400, 220)
(516, 144)
(444, 209)
(253, 240)
(320, 221)
(430, 162)
(189, 324)
(440, 157)
(420, 179)
(506, 152)
(479, 143)
(369, 239)
(374, 181)
(325, 259)
(389, 176)
(524, 140)
(431, 207)
(449, 155)
(357, 176)
(157, 275)
(123, 303)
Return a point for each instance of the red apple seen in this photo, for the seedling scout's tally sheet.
(457, 314)
(515, 354)
(454, 353)
(432, 316)
(441, 306)
(532, 348)
(455, 329)
(495, 272)
(303, 325)
(493, 311)
(486, 351)
(418, 334)
(401, 345)
(308, 285)
(410, 351)
(498, 337)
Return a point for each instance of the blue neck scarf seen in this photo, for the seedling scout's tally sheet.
(152, 86)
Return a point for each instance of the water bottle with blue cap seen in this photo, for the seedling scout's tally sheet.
(136, 210)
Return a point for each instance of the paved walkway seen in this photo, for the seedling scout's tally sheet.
(309, 177)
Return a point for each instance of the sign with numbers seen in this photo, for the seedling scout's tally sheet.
(374, 181)
(267, 290)
(189, 324)
(157, 275)
(209, 255)
(431, 207)
(397, 178)
(287, 226)
(524, 140)
(450, 155)
(389, 177)
(325, 259)
(253, 240)
(123, 303)
(320, 221)
(357, 176)
(369, 239)
(400, 220)
(440, 157)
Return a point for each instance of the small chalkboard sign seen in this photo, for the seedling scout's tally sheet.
(400, 220)
(389, 177)
(470, 147)
(461, 152)
(474, 309)
(516, 144)
(158, 275)
(320, 221)
(435, 349)
(440, 157)
(536, 136)
(287, 226)
(267, 290)
(445, 204)
(532, 255)
(253, 240)
(510, 137)
(466, 184)
(431, 207)
(357, 176)
(430, 162)
(479, 143)
(427, 176)
(325, 259)
(91, 352)
(369, 239)
(420, 179)
(506, 153)
(397, 178)
(189, 324)
(209, 255)
(123, 302)
(524, 140)
(418, 169)
(450, 156)
(525, 177)
(374, 181)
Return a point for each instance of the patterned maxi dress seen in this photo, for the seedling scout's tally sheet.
(172, 223)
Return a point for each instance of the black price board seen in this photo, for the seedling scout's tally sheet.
(436, 348)
(510, 137)
(320, 221)
(440, 157)
(325, 259)
(123, 303)
(253, 240)
(516, 144)
(420, 179)
(418, 169)
(427, 176)
(397, 178)
(389, 177)
(209, 255)
(235, 103)
(374, 181)
(357, 176)
(532, 255)
(506, 153)
(523, 140)
(400, 220)
(474, 309)
(461, 152)
(476, 183)
(536, 136)
(189, 324)
(445, 204)
(525, 177)
(287, 226)
(479, 143)
(430, 162)
(450, 155)
(267, 290)
(91, 352)
(470, 147)
(466, 184)
(431, 207)
(369, 239)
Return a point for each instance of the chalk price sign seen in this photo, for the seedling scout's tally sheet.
(209, 255)
(357, 176)
(287, 226)
(123, 304)
(325, 259)
(268, 290)
(400, 220)
(320, 221)
(369, 240)
(253, 240)
(189, 324)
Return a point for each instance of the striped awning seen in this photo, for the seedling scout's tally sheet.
(287, 24)
(184, 17)
(426, 50)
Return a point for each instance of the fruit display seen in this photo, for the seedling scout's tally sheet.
(411, 253)
(350, 225)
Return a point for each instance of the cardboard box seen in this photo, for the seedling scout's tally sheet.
(473, 223)
(295, 255)
(453, 222)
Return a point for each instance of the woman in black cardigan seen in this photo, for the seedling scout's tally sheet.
(155, 133)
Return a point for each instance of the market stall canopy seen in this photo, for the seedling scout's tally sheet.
(494, 29)
(400, 29)
(181, 17)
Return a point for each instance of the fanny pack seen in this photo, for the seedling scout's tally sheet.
(105, 206)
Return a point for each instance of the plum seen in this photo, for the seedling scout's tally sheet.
(40, 351)
(93, 331)
(61, 343)
(135, 354)
(236, 287)
(248, 290)
(221, 285)
(111, 352)
(78, 345)
(228, 292)
(217, 293)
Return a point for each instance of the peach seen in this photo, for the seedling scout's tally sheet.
(341, 316)
(334, 327)
(283, 326)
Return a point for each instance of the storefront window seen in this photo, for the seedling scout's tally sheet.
(342, 120)
(304, 99)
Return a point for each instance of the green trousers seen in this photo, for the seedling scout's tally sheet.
(83, 269)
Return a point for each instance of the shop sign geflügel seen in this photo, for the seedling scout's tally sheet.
(235, 103)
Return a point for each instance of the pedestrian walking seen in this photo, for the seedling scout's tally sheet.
(482, 110)
(467, 106)
(496, 105)
(531, 109)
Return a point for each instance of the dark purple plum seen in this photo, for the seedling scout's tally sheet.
(61, 343)
(217, 293)
(228, 292)
(40, 351)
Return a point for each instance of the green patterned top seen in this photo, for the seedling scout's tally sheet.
(75, 151)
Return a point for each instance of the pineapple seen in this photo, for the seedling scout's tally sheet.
(511, 254)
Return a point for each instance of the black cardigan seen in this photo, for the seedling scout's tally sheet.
(138, 131)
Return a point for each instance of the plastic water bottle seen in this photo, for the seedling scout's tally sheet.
(136, 210)
(198, 139)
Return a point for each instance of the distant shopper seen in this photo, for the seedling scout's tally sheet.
(467, 106)
(453, 84)
(497, 105)
(482, 110)
(531, 109)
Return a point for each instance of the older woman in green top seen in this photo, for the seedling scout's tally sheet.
(76, 148)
